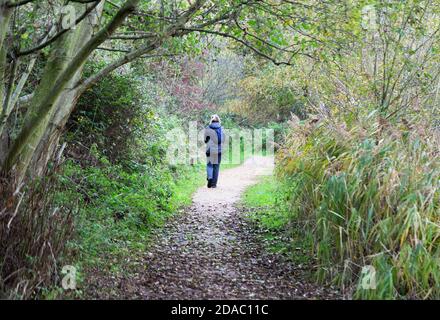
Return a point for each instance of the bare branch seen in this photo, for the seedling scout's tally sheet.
(113, 49)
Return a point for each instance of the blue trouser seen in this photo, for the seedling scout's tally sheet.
(213, 168)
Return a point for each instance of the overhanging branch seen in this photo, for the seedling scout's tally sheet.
(59, 34)
(243, 42)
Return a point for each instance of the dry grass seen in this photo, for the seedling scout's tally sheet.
(33, 236)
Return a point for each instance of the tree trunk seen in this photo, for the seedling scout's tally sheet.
(59, 58)
(62, 51)
(5, 15)
(49, 142)
(64, 66)
(63, 108)
(42, 151)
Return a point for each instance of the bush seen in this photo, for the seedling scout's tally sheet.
(106, 114)
(368, 195)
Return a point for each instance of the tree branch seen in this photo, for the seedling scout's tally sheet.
(170, 31)
(243, 42)
(14, 4)
(59, 34)
(113, 49)
(87, 83)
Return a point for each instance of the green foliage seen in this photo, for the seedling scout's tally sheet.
(360, 191)
(109, 114)
(269, 95)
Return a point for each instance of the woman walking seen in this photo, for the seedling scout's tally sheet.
(214, 138)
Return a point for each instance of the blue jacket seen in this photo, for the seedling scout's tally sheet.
(214, 137)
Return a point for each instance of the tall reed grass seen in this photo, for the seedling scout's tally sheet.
(367, 194)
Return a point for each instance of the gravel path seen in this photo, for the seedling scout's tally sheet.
(211, 252)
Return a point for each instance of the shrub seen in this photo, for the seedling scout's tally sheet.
(106, 114)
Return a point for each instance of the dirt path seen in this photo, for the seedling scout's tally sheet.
(211, 251)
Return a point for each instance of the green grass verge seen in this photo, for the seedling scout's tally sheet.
(268, 211)
(184, 188)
